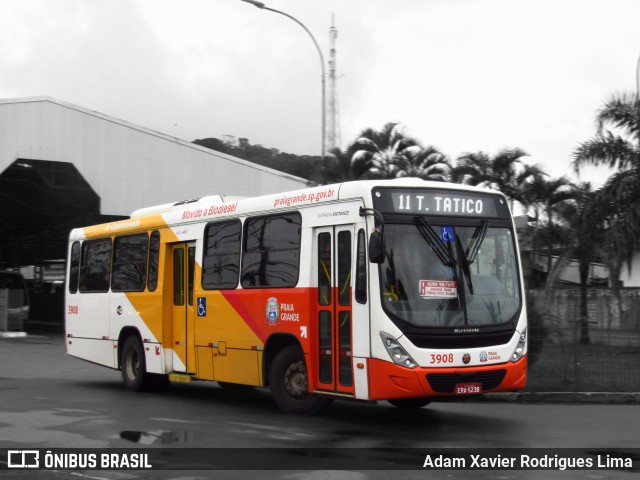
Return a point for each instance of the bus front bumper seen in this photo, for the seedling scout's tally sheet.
(389, 381)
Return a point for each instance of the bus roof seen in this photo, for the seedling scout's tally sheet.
(210, 207)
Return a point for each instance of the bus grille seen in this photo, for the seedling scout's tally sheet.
(446, 382)
(460, 341)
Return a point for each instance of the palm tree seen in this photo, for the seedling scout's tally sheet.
(542, 195)
(583, 233)
(343, 166)
(617, 145)
(384, 149)
(427, 163)
(533, 194)
(554, 192)
(505, 171)
(472, 169)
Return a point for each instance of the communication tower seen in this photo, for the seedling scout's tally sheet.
(333, 139)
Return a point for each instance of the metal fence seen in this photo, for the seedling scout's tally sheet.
(560, 361)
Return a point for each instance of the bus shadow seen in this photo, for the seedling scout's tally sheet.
(194, 395)
(343, 423)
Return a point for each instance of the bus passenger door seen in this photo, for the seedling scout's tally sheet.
(183, 272)
(334, 247)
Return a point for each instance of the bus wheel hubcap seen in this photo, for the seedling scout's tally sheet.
(295, 379)
(132, 365)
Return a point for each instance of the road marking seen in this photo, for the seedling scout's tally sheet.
(81, 475)
(174, 420)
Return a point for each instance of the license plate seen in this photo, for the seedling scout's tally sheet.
(468, 388)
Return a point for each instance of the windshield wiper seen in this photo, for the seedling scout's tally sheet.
(444, 254)
(476, 241)
(466, 271)
(469, 256)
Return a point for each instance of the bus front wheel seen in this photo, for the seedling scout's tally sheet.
(289, 383)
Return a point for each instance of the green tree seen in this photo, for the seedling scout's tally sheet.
(473, 169)
(343, 166)
(550, 193)
(301, 166)
(427, 163)
(214, 144)
(581, 230)
(384, 149)
(617, 145)
(505, 171)
(541, 197)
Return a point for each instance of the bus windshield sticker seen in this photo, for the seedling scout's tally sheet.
(438, 289)
(446, 234)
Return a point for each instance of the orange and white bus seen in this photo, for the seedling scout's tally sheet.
(401, 290)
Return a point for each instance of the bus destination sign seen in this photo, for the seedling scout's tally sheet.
(439, 202)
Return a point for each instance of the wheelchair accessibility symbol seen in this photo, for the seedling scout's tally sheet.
(447, 234)
(202, 307)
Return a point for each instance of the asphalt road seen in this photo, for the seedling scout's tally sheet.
(50, 400)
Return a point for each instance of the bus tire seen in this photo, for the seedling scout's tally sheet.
(410, 403)
(133, 365)
(289, 383)
(235, 387)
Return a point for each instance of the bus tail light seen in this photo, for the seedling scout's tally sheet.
(397, 353)
(520, 349)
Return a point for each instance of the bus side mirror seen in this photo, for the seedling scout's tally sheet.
(376, 247)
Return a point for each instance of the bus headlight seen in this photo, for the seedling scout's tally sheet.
(520, 349)
(398, 354)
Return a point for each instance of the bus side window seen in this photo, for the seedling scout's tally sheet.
(324, 269)
(344, 268)
(129, 269)
(361, 268)
(74, 267)
(221, 262)
(95, 265)
(271, 251)
(154, 255)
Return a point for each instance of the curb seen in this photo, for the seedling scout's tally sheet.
(615, 398)
(13, 334)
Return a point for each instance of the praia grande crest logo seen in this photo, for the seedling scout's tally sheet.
(272, 311)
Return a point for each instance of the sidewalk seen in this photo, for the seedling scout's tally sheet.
(617, 398)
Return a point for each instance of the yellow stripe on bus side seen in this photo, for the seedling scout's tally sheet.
(150, 222)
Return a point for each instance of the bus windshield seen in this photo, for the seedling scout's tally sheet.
(449, 275)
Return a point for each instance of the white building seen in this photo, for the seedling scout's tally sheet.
(62, 166)
(631, 277)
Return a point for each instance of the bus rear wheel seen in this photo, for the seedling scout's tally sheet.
(134, 368)
(132, 364)
(289, 383)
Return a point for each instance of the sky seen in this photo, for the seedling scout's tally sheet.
(461, 75)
